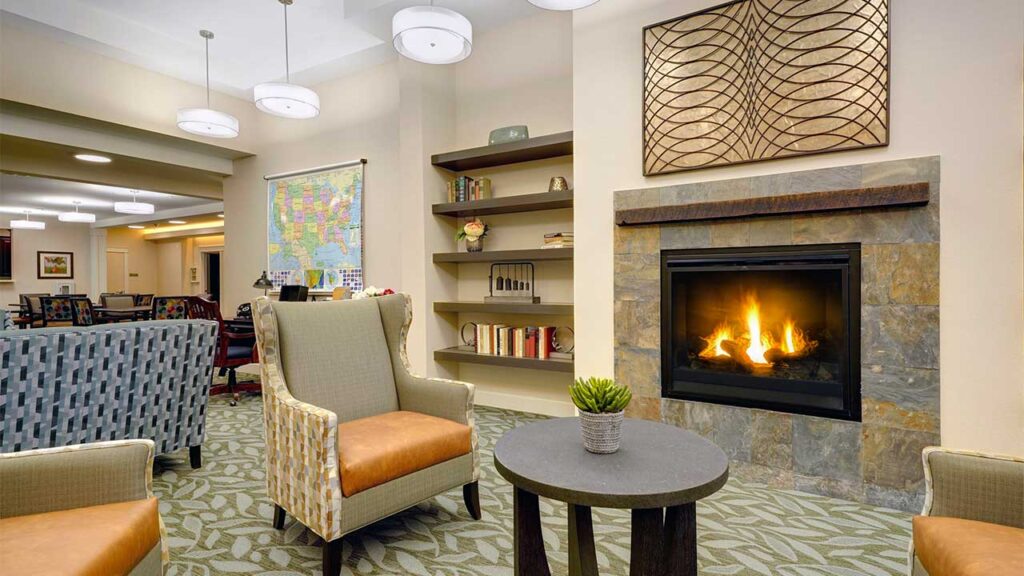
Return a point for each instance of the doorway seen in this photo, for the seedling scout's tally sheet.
(117, 270)
(212, 274)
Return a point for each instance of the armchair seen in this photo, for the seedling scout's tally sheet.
(973, 518)
(352, 435)
(234, 347)
(84, 509)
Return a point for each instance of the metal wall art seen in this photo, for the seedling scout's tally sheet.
(512, 282)
(756, 80)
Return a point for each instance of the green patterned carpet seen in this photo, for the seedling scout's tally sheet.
(219, 522)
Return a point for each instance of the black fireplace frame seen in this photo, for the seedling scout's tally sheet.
(845, 257)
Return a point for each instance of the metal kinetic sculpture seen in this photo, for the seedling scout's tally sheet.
(756, 80)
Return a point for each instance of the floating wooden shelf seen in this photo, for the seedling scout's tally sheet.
(548, 309)
(456, 355)
(503, 255)
(507, 205)
(539, 148)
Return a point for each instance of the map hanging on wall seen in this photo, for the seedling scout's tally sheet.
(315, 230)
(754, 80)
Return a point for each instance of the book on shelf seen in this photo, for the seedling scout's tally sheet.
(515, 341)
(558, 240)
(468, 189)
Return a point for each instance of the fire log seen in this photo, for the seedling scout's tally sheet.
(736, 351)
(775, 355)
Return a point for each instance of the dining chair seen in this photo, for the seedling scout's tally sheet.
(112, 302)
(82, 313)
(234, 347)
(144, 299)
(341, 293)
(56, 310)
(31, 308)
(170, 307)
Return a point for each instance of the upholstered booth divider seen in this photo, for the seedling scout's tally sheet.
(73, 385)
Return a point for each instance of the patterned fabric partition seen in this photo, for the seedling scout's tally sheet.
(65, 386)
(6, 320)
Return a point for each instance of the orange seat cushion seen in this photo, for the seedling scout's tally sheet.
(955, 547)
(378, 449)
(105, 540)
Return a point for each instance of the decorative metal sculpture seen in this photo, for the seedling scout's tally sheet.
(755, 80)
(512, 282)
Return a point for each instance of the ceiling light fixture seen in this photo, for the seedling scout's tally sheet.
(76, 216)
(206, 121)
(94, 158)
(562, 4)
(432, 35)
(177, 222)
(28, 224)
(136, 226)
(284, 98)
(133, 207)
(220, 215)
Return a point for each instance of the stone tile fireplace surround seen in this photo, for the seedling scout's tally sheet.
(876, 460)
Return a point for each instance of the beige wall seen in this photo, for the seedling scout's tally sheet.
(58, 237)
(143, 268)
(171, 265)
(956, 92)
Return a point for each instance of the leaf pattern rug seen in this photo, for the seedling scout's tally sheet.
(219, 521)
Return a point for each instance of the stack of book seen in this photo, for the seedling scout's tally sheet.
(524, 342)
(467, 189)
(558, 240)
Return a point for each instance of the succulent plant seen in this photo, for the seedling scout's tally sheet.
(599, 395)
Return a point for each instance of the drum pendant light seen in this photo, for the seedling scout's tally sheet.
(206, 121)
(432, 35)
(133, 207)
(284, 98)
(562, 4)
(28, 223)
(76, 216)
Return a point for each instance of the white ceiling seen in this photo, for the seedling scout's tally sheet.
(45, 198)
(327, 37)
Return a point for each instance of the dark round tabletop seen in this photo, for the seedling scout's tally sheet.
(657, 466)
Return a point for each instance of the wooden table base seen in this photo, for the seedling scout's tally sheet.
(664, 541)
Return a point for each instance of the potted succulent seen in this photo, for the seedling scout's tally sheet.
(601, 403)
(473, 232)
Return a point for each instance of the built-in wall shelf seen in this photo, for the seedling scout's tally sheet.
(549, 309)
(457, 355)
(507, 205)
(539, 148)
(503, 256)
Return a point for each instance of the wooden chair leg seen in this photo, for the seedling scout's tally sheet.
(278, 517)
(332, 557)
(195, 456)
(471, 494)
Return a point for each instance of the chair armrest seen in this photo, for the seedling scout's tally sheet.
(974, 486)
(238, 335)
(449, 399)
(52, 479)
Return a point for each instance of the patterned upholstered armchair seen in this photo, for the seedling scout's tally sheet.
(170, 308)
(973, 518)
(85, 509)
(352, 436)
(56, 310)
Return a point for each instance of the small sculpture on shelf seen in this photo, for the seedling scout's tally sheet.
(512, 282)
(473, 233)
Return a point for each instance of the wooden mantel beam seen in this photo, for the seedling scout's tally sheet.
(895, 196)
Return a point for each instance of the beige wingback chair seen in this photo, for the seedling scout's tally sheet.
(352, 436)
(973, 518)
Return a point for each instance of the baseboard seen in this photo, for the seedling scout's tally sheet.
(524, 403)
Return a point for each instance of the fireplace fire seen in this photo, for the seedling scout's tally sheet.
(774, 328)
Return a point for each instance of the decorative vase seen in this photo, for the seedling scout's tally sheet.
(475, 245)
(508, 134)
(558, 184)
(602, 433)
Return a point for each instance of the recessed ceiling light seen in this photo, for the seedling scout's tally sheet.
(95, 158)
(220, 215)
(136, 226)
(177, 222)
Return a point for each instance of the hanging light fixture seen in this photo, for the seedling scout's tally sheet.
(207, 121)
(562, 4)
(28, 224)
(76, 216)
(133, 207)
(284, 98)
(432, 35)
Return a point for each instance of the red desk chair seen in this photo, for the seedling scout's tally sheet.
(234, 347)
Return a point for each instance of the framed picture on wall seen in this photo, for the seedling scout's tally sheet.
(55, 265)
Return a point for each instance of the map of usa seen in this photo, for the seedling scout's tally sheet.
(315, 229)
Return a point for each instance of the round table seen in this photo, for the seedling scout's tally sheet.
(659, 473)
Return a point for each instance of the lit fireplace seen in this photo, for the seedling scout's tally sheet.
(775, 328)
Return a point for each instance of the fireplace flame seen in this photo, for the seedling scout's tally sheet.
(756, 346)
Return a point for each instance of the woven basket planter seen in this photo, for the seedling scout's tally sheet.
(601, 432)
